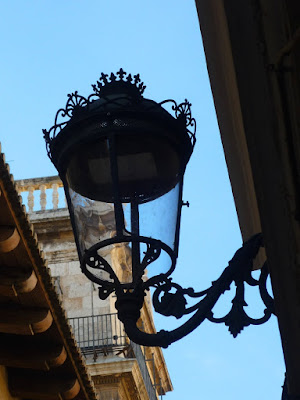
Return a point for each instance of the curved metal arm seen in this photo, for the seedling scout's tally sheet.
(238, 271)
(165, 338)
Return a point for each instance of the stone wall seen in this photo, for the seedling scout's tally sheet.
(79, 295)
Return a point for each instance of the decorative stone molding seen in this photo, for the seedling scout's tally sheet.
(42, 185)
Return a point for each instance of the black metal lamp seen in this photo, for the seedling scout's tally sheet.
(122, 158)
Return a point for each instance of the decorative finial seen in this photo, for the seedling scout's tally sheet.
(125, 84)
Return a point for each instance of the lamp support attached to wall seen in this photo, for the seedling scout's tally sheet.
(238, 271)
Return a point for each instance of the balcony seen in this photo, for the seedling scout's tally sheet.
(103, 335)
(100, 335)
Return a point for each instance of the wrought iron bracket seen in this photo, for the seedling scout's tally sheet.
(238, 271)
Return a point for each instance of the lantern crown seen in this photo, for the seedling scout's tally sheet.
(121, 82)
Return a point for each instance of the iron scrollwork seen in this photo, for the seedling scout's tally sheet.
(237, 318)
(183, 111)
(152, 253)
(167, 302)
(169, 298)
(95, 264)
(104, 86)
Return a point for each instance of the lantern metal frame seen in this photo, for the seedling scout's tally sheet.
(121, 97)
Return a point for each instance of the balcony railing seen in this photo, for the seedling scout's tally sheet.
(99, 334)
(104, 334)
(40, 194)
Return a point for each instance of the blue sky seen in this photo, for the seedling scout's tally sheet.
(51, 48)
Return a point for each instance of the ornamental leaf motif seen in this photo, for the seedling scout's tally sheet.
(152, 253)
(237, 319)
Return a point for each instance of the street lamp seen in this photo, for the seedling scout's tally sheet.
(123, 155)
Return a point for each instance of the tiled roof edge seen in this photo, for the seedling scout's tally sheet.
(43, 274)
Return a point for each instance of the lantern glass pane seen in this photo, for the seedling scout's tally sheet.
(95, 222)
(158, 220)
(148, 174)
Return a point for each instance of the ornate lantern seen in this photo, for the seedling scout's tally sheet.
(122, 158)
